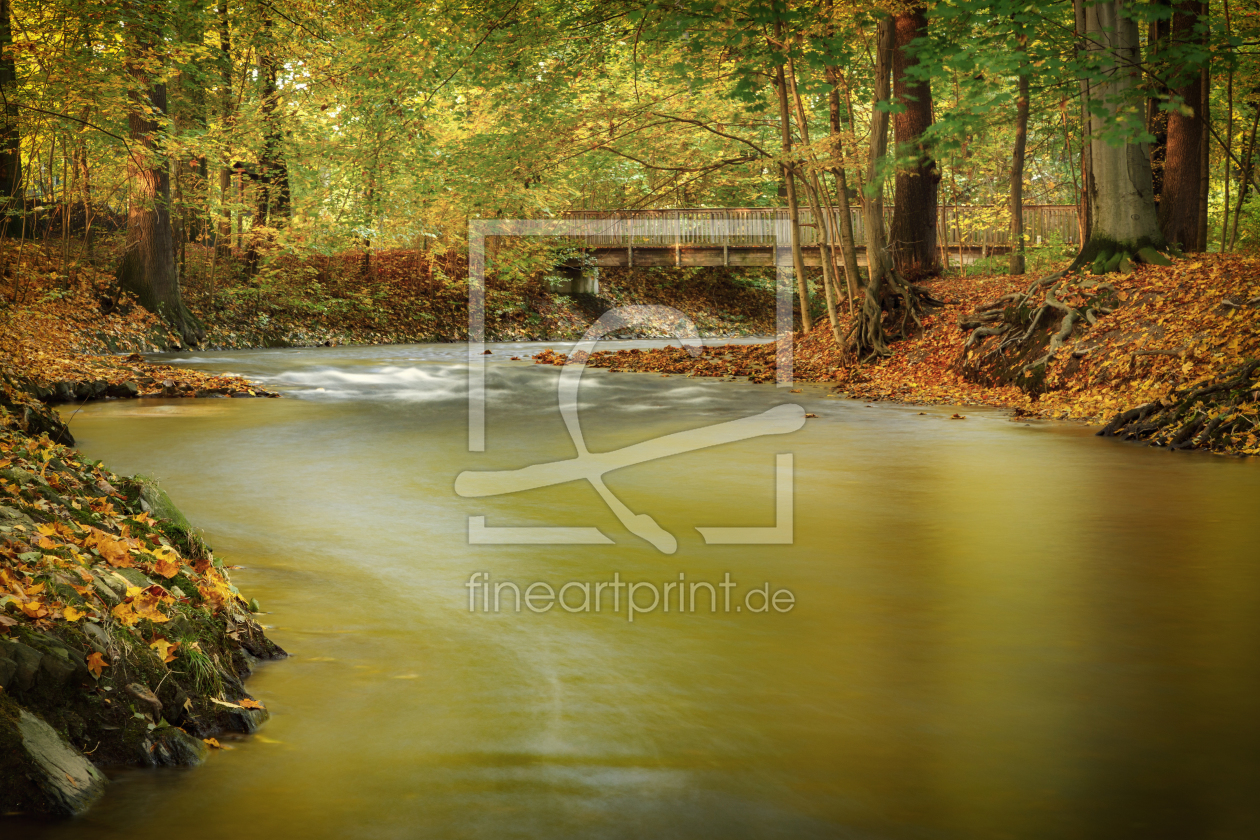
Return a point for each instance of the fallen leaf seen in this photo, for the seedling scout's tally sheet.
(165, 648)
(96, 663)
(213, 743)
(247, 703)
(71, 614)
(167, 561)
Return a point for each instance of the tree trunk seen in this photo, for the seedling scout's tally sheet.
(223, 240)
(1244, 177)
(798, 261)
(1016, 265)
(273, 175)
(1229, 134)
(147, 268)
(1084, 216)
(913, 240)
(818, 205)
(10, 138)
(847, 248)
(1205, 157)
(1179, 199)
(1120, 191)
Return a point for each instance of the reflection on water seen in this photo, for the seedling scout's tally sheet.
(1000, 630)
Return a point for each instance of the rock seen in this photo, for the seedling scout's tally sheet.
(162, 507)
(19, 476)
(135, 577)
(27, 660)
(110, 589)
(57, 669)
(123, 389)
(8, 669)
(173, 747)
(12, 516)
(146, 698)
(41, 771)
(97, 635)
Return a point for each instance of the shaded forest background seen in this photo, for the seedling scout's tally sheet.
(260, 160)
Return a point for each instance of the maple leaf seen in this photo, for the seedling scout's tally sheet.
(72, 614)
(113, 550)
(167, 561)
(213, 743)
(34, 609)
(165, 648)
(247, 703)
(125, 614)
(96, 663)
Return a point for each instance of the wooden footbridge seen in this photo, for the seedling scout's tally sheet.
(746, 236)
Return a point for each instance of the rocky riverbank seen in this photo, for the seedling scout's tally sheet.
(122, 638)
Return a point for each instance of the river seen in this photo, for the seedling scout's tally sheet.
(996, 628)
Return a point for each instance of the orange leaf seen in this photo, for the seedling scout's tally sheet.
(167, 561)
(213, 743)
(96, 663)
(247, 703)
(72, 614)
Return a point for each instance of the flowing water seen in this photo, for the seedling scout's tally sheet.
(998, 629)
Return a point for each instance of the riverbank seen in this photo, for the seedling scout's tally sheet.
(1167, 355)
(122, 639)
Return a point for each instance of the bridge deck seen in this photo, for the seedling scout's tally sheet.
(982, 228)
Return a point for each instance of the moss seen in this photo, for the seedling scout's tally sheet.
(1100, 245)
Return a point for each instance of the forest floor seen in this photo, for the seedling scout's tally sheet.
(1180, 347)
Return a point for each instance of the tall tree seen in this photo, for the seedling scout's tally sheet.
(1016, 264)
(148, 268)
(1183, 160)
(913, 236)
(274, 198)
(1120, 189)
(789, 180)
(10, 138)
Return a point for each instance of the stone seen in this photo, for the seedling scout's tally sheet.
(146, 698)
(135, 577)
(27, 660)
(12, 516)
(173, 747)
(8, 670)
(162, 507)
(42, 770)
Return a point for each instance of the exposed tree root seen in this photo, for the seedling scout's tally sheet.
(891, 309)
(1016, 337)
(1200, 416)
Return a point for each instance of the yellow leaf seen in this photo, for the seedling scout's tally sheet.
(213, 743)
(165, 648)
(125, 614)
(247, 703)
(72, 614)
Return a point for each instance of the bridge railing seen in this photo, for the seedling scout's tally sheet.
(972, 226)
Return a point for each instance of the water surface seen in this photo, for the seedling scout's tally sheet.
(1000, 629)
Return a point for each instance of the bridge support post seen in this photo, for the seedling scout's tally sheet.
(588, 282)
